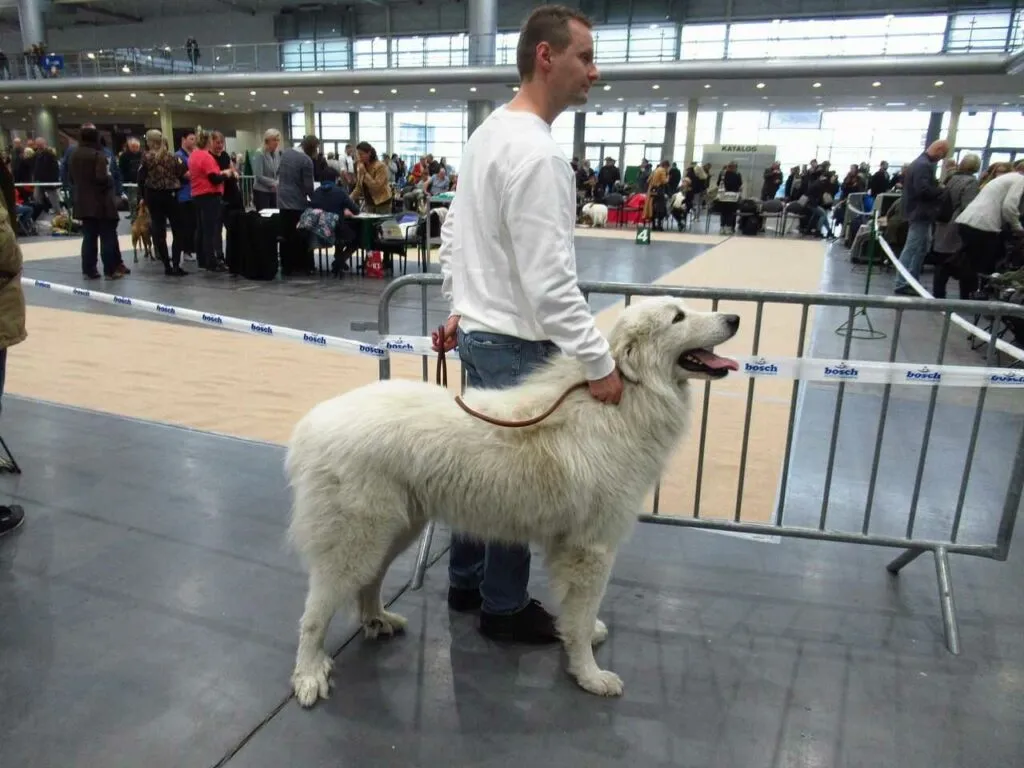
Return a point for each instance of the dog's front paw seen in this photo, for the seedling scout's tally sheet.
(602, 682)
(386, 623)
(311, 684)
(600, 633)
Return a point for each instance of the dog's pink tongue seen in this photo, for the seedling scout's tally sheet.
(713, 361)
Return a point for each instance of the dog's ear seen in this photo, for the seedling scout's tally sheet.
(627, 361)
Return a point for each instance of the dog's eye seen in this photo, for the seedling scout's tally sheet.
(680, 316)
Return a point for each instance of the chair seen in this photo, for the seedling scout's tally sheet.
(773, 209)
(391, 242)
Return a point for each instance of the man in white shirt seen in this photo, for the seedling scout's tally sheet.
(509, 268)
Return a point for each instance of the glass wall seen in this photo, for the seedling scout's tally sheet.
(442, 134)
(373, 128)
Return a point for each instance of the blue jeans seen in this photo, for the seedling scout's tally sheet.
(919, 242)
(501, 572)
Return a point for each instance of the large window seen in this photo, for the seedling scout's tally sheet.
(327, 126)
(370, 53)
(563, 131)
(703, 41)
(430, 51)
(978, 32)
(373, 128)
(442, 134)
(604, 128)
(704, 134)
(300, 55)
(971, 129)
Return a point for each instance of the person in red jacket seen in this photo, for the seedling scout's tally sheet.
(207, 191)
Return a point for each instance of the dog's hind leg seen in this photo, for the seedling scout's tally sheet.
(328, 591)
(372, 614)
(578, 579)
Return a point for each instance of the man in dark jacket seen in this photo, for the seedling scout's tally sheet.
(921, 193)
(46, 170)
(93, 189)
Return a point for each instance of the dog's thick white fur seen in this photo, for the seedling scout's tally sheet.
(597, 213)
(369, 468)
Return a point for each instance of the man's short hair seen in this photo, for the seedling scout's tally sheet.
(546, 24)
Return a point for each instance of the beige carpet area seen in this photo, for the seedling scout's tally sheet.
(257, 388)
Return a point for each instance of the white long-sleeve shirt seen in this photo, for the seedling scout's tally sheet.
(507, 251)
(997, 203)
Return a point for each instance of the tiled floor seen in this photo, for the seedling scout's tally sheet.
(149, 606)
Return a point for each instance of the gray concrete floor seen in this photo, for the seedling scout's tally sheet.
(149, 606)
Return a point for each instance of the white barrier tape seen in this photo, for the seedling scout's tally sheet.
(806, 369)
(818, 369)
(215, 320)
(1015, 352)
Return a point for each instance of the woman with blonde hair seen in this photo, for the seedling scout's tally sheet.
(160, 177)
(265, 165)
(962, 187)
(371, 181)
(207, 193)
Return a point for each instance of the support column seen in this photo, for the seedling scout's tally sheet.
(389, 130)
(353, 122)
(483, 42)
(691, 131)
(30, 15)
(310, 115)
(718, 126)
(579, 134)
(46, 126)
(934, 128)
(668, 144)
(167, 124)
(955, 108)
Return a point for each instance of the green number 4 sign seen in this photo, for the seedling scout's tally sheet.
(643, 236)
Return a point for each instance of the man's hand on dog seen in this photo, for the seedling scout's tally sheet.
(608, 389)
(451, 329)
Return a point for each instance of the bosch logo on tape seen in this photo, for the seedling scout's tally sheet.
(215, 319)
(399, 345)
(841, 371)
(369, 349)
(314, 338)
(261, 328)
(163, 309)
(42, 284)
(924, 374)
(123, 300)
(81, 292)
(1006, 378)
(761, 367)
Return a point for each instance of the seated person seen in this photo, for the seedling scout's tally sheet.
(438, 184)
(331, 198)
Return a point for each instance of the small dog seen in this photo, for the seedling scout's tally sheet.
(141, 234)
(594, 214)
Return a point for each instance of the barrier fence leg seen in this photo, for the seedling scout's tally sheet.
(423, 556)
(946, 599)
(908, 556)
(7, 462)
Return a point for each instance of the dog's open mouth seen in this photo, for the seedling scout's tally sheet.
(707, 362)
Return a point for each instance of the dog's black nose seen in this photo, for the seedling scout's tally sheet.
(733, 321)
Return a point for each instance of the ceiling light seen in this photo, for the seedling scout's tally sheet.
(759, 85)
(816, 85)
(607, 87)
(875, 84)
(209, 106)
(725, 105)
(132, 95)
(106, 95)
(252, 93)
(155, 112)
(433, 90)
(160, 95)
(321, 93)
(54, 96)
(939, 83)
(78, 95)
(126, 69)
(655, 86)
(285, 91)
(7, 98)
(263, 106)
(620, 98)
(355, 90)
(515, 89)
(707, 85)
(471, 90)
(395, 90)
(221, 93)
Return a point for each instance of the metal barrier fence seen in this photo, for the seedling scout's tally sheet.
(932, 375)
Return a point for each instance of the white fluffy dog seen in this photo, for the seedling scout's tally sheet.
(369, 468)
(595, 213)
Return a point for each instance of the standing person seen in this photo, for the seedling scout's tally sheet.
(185, 236)
(294, 187)
(509, 269)
(161, 175)
(372, 187)
(921, 193)
(92, 188)
(12, 310)
(207, 181)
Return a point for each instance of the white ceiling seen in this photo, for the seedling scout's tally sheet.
(980, 92)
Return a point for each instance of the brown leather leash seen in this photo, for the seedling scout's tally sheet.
(441, 378)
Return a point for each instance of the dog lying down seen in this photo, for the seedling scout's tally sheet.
(369, 468)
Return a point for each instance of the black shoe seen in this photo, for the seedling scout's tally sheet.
(464, 600)
(92, 275)
(531, 626)
(10, 518)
